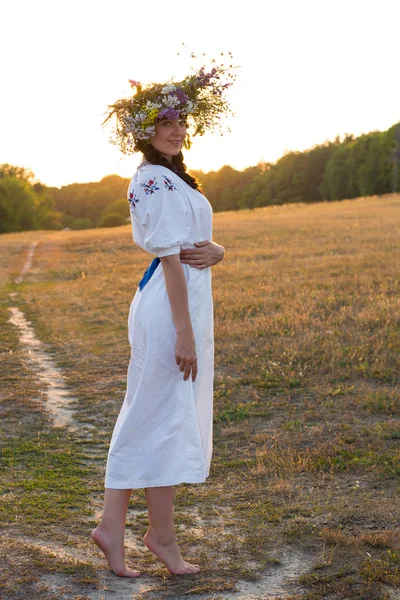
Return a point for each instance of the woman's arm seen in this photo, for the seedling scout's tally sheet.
(175, 282)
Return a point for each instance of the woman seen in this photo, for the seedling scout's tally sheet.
(163, 434)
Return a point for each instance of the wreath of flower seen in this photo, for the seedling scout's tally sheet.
(199, 99)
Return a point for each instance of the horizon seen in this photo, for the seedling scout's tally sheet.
(298, 85)
(225, 165)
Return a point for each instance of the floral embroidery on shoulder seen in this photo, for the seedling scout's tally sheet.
(150, 187)
(132, 199)
(169, 184)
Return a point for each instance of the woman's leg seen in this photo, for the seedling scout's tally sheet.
(109, 535)
(160, 537)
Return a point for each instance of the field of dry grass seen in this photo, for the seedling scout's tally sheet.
(303, 497)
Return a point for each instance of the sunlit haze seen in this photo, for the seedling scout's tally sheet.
(309, 71)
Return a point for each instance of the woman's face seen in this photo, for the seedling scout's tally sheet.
(169, 137)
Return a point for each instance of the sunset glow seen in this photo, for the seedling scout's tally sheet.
(309, 71)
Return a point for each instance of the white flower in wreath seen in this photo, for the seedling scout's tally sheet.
(171, 101)
(151, 105)
(189, 107)
(129, 123)
(140, 116)
(168, 88)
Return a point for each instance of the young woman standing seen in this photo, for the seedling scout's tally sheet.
(163, 434)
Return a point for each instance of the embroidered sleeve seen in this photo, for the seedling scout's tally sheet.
(159, 208)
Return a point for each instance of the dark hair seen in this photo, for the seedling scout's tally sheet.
(177, 165)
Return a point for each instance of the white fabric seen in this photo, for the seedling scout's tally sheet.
(163, 434)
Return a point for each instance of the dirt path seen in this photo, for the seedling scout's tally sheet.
(58, 397)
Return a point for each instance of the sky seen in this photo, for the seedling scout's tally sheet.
(309, 70)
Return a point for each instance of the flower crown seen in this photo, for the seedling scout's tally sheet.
(198, 99)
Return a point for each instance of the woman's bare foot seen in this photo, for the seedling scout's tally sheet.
(113, 551)
(167, 550)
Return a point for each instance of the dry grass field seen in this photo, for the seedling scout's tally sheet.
(303, 498)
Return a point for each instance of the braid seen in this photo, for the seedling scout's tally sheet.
(177, 165)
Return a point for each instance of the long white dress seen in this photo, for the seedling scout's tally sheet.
(163, 434)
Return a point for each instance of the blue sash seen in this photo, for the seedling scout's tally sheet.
(147, 275)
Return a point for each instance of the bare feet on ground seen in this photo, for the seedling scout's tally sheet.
(167, 550)
(113, 551)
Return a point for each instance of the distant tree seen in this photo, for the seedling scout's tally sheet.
(335, 184)
(18, 205)
(53, 219)
(88, 200)
(119, 207)
(225, 188)
(7, 222)
(48, 217)
(81, 223)
(396, 159)
(7, 170)
(112, 220)
(360, 166)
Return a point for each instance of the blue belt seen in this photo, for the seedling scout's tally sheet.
(147, 275)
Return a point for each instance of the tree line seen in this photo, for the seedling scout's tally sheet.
(345, 168)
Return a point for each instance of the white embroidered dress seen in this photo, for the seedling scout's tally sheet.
(163, 434)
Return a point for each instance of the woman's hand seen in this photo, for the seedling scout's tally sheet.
(206, 254)
(185, 353)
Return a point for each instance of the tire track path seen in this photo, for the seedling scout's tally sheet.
(58, 397)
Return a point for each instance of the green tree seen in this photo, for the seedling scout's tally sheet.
(112, 220)
(18, 205)
(360, 166)
(336, 184)
(88, 200)
(7, 170)
(119, 207)
(81, 223)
